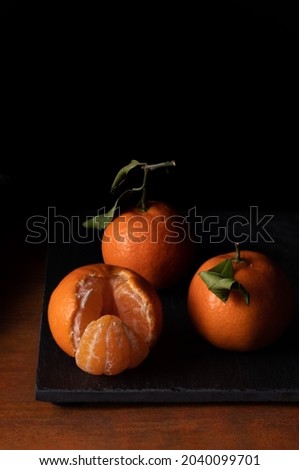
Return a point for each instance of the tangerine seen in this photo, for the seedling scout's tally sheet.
(108, 346)
(102, 303)
(153, 243)
(234, 324)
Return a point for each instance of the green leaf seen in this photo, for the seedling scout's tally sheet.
(244, 292)
(224, 269)
(121, 175)
(221, 282)
(101, 221)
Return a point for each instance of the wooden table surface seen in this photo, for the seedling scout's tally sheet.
(28, 424)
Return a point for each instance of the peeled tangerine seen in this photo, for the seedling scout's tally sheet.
(111, 347)
(107, 317)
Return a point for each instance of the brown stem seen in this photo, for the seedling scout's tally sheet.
(237, 258)
(146, 168)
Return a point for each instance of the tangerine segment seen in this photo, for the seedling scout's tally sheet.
(91, 291)
(109, 347)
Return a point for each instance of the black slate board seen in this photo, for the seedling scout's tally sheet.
(182, 367)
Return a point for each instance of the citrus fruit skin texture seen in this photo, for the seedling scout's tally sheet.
(153, 243)
(100, 304)
(234, 325)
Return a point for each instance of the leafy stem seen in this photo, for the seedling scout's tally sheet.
(143, 195)
(100, 221)
(146, 168)
(220, 279)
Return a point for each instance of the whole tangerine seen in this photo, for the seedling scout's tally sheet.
(100, 304)
(242, 323)
(154, 242)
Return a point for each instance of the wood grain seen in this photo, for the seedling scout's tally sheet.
(28, 424)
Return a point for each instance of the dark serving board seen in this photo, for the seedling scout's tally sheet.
(182, 367)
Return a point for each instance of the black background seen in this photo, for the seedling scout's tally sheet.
(87, 89)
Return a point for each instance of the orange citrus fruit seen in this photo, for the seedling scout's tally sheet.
(233, 324)
(112, 310)
(115, 347)
(153, 243)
